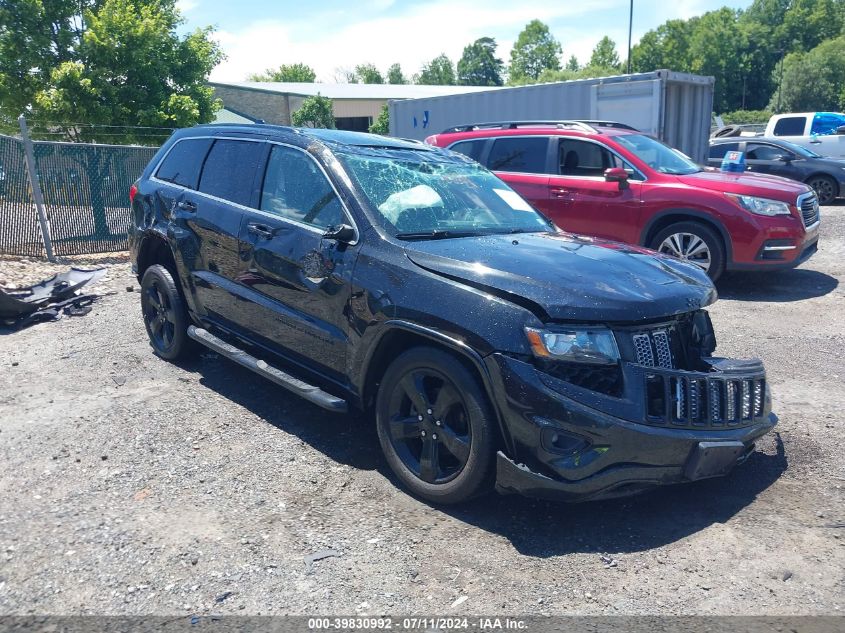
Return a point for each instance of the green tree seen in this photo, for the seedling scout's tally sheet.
(604, 54)
(479, 66)
(314, 112)
(668, 46)
(572, 64)
(296, 73)
(813, 81)
(104, 62)
(368, 74)
(535, 50)
(86, 64)
(395, 76)
(382, 124)
(438, 72)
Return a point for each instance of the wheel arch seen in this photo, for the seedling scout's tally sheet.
(399, 336)
(155, 249)
(665, 218)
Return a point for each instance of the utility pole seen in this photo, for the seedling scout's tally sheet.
(35, 186)
(780, 79)
(630, 28)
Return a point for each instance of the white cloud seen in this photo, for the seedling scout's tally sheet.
(412, 38)
(343, 39)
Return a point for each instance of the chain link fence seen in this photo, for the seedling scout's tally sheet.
(86, 196)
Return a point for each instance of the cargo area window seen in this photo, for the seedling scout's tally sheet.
(296, 189)
(183, 162)
(229, 170)
(472, 149)
(519, 154)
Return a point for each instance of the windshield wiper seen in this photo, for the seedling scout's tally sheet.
(436, 234)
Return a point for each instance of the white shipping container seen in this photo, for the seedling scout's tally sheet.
(675, 107)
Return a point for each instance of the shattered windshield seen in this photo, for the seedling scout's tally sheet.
(656, 155)
(417, 196)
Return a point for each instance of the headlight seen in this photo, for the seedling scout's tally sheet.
(761, 206)
(578, 345)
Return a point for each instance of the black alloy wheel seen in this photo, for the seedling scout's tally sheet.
(434, 426)
(164, 313)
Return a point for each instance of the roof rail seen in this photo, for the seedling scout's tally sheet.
(512, 125)
(613, 124)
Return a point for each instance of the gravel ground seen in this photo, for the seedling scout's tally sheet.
(129, 485)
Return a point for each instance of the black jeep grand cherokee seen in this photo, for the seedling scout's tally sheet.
(380, 274)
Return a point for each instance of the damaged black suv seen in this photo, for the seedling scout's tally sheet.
(371, 273)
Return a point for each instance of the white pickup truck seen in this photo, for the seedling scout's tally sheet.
(822, 132)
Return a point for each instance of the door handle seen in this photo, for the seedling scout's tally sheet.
(815, 142)
(186, 205)
(560, 192)
(262, 230)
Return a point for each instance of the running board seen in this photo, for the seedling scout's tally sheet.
(303, 389)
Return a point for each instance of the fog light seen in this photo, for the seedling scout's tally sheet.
(558, 441)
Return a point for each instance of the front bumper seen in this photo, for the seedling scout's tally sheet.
(611, 447)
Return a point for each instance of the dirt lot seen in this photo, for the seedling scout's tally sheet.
(129, 485)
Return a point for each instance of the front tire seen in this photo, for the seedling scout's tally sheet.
(693, 242)
(435, 426)
(825, 187)
(165, 316)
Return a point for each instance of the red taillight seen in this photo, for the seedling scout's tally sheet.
(132, 191)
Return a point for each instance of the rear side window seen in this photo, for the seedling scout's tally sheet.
(472, 149)
(296, 189)
(719, 151)
(790, 126)
(183, 162)
(229, 170)
(527, 154)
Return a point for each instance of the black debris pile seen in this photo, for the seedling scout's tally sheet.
(49, 300)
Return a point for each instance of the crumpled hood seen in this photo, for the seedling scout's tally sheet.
(761, 185)
(566, 277)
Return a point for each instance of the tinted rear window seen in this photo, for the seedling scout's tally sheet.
(472, 149)
(519, 154)
(229, 170)
(183, 163)
(790, 126)
(719, 151)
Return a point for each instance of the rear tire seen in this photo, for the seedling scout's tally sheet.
(435, 426)
(165, 316)
(825, 187)
(695, 243)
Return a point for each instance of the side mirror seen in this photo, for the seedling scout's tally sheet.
(786, 158)
(341, 233)
(617, 174)
(841, 129)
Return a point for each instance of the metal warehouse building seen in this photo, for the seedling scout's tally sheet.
(355, 105)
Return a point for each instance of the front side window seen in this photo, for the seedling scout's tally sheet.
(183, 162)
(296, 189)
(582, 158)
(757, 151)
(519, 154)
(658, 156)
(419, 196)
(826, 123)
(229, 170)
(790, 126)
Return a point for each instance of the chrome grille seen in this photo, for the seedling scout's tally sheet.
(809, 205)
(653, 349)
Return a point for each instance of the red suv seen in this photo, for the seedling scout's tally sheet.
(609, 180)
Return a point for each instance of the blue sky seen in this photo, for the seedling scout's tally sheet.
(334, 35)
